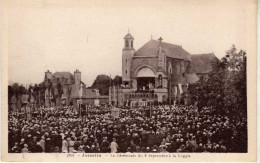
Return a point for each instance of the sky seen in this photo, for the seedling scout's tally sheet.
(88, 35)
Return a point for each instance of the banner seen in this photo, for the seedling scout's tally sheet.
(28, 112)
(175, 90)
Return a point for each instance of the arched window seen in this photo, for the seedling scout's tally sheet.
(126, 43)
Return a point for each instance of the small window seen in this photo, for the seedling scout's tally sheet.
(126, 43)
(126, 61)
(132, 44)
(125, 71)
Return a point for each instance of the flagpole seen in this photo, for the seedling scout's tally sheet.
(150, 101)
(110, 91)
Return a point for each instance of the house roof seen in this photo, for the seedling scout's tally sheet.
(90, 93)
(191, 78)
(172, 51)
(202, 63)
(66, 75)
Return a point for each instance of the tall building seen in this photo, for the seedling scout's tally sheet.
(158, 72)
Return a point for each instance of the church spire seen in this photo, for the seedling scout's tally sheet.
(129, 41)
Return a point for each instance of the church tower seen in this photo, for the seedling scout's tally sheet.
(127, 54)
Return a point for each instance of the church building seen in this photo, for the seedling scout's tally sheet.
(157, 72)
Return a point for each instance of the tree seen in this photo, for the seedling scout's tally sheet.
(17, 91)
(225, 86)
(36, 93)
(60, 91)
(42, 89)
(117, 81)
(102, 83)
(10, 93)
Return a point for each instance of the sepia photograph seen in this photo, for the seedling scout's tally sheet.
(128, 80)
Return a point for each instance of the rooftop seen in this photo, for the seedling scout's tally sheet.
(202, 63)
(171, 50)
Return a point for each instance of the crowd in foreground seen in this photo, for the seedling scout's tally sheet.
(168, 129)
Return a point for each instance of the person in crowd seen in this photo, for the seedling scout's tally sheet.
(170, 129)
(113, 146)
(25, 149)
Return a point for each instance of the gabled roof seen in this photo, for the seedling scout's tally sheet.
(66, 75)
(191, 78)
(172, 51)
(202, 63)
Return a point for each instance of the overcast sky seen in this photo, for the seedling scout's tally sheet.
(89, 35)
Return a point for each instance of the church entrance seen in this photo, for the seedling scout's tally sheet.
(144, 83)
(145, 79)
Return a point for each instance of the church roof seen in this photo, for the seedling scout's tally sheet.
(172, 51)
(66, 75)
(202, 63)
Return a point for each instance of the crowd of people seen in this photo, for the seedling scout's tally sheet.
(167, 129)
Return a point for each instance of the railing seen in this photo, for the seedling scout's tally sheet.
(143, 94)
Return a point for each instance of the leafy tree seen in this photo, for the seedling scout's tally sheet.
(41, 89)
(10, 93)
(224, 87)
(102, 83)
(117, 81)
(60, 91)
(17, 91)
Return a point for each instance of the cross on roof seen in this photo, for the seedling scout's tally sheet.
(160, 39)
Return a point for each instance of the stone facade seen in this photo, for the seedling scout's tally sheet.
(74, 91)
(165, 68)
